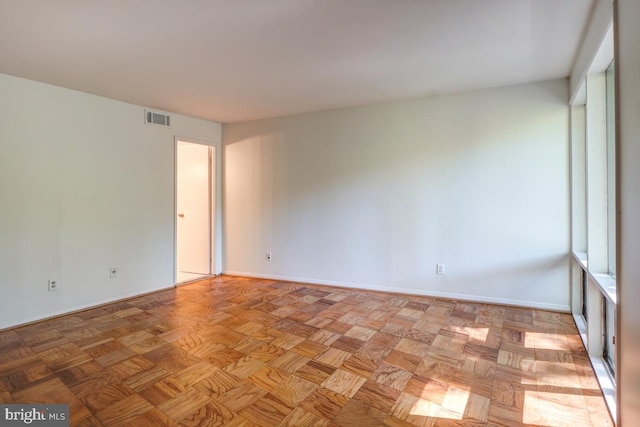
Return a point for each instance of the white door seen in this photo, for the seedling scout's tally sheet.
(194, 213)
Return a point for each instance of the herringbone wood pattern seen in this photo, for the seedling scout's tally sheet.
(241, 352)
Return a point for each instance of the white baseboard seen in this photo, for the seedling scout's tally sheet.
(426, 293)
(79, 308)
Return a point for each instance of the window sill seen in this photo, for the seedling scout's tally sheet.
(607, 384)
(605, 282)
(602, 372)
(607, 285)
(581, 323)
(581, 257)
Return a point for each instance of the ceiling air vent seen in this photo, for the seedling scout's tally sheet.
(154, 118)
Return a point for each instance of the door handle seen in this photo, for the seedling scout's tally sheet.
(180, 215)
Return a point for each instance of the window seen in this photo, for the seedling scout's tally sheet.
(583, 294)
(593, 218)
(609, 337)
(611, 170)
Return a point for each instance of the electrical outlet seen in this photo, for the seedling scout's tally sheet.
(268, 256)
(52, 285)
(113, 272)
(440, 269)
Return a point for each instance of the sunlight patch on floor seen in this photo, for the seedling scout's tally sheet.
(476, 335)
(546, 341)
(425, 408)
(453, 405)
(553, 409)
(557, 374)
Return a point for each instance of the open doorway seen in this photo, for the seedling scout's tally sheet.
(195, 210)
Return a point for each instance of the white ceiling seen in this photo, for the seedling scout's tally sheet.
(234, 60)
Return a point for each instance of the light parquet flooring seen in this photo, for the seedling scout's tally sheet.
(244, 352)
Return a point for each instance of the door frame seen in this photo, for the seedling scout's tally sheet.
(215, 206)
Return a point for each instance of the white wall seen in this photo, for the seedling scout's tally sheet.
(628, 238)
(375, 196)
(84, 185)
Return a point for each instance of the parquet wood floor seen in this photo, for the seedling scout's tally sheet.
(244, 352)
